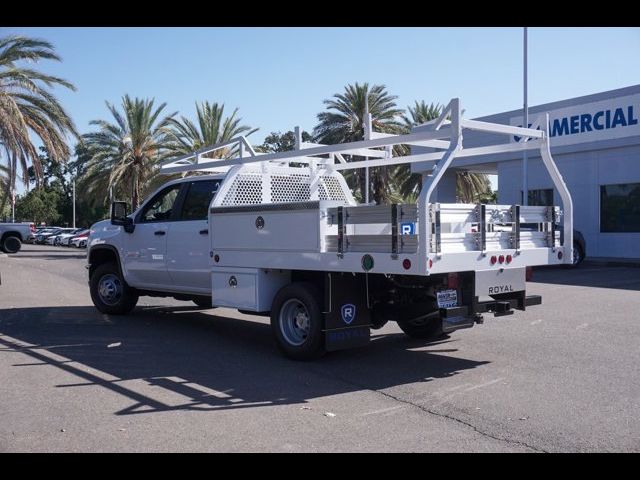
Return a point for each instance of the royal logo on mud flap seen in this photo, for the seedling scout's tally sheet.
(348, 312)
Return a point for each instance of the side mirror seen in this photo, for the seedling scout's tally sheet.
(119, 216)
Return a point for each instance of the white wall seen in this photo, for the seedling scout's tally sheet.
(583, 172)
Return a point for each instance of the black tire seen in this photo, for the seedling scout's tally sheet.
(304, 299)
(123, 297)
(578, 255)
(203, 302)
(11, 244)
(424, 325)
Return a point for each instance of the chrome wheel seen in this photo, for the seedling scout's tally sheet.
(294, 322)
(110, 289)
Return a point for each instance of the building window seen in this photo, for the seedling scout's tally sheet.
(539, 198)
(620, 208)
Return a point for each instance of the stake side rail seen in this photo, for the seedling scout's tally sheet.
(324, 237)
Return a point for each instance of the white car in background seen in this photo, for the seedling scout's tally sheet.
(80, 241)
(42, 236)
(64, 238)
(55, 238)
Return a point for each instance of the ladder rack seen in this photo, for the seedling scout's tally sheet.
(445, 135)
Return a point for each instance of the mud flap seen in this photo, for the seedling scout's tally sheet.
(347, 319)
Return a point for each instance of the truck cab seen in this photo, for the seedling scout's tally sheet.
(162, 247)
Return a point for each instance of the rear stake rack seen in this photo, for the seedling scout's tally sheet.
(515, 234)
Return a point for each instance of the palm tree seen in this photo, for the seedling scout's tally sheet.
(5, 186)
(470, 187)
(344, 121)
(421, 112)
(126, 154)
(409, 183)
(28, 109)
(212, 128)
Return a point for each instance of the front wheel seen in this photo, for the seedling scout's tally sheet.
(296, 321)
(109, 292)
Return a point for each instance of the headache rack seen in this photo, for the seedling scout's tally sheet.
(306, 184)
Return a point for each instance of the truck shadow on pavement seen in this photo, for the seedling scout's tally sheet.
(165, 359)
(587, 275)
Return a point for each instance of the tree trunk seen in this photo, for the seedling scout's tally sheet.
(135, 192)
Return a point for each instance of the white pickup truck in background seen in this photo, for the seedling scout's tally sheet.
(281, 235)
(12, 235)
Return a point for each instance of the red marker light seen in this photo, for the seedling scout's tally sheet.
(509, 258)
(501, 259)
(493, 260)
(430, 263)
(406, 264)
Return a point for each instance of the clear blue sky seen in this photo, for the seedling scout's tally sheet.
(278, 77)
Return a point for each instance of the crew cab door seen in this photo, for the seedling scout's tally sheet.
(188, 243)
(145, 249)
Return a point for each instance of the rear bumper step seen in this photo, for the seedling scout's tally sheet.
(499, 308)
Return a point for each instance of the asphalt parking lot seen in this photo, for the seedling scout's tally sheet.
(562, 376)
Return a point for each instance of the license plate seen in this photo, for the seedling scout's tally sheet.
(447, 298)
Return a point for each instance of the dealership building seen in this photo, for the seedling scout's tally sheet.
(595, 142)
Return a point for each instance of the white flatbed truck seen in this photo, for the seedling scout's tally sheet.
(281, 235)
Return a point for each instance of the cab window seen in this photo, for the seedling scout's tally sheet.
(198, 198)
(160, 208)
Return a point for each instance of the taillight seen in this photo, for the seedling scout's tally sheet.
(559, 255)
(452, 280)
(406, 264)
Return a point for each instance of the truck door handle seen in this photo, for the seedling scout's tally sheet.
(159, 232)
(204, 232)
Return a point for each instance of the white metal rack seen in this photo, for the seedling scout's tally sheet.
(311, 173)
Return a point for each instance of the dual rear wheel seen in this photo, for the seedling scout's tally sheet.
(296, 321)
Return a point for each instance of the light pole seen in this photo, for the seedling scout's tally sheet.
(368, 129)
(74, 203)
(525, 179)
